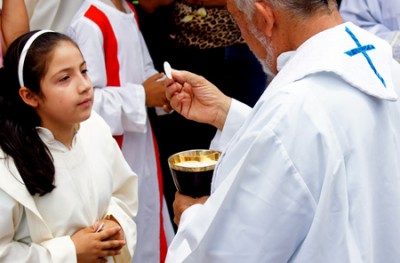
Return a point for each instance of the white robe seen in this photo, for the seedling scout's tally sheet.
(313, 172)
(381, 17)
(92, 180)
(124, 109)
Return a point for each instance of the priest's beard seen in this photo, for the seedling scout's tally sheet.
(267, 62)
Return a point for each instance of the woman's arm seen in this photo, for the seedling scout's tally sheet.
(14, 21)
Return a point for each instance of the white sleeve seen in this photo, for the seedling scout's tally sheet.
(236, 116)
(123, 108)
(369, 15)
(55, 250)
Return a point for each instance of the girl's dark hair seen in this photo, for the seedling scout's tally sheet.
(18, 121)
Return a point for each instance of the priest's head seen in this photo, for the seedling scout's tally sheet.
(271, 27)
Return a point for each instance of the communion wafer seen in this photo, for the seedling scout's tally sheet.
(195, 164)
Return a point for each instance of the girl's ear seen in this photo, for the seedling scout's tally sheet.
(29, 97)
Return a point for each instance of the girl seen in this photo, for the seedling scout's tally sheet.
(126, 85)
(66, 192)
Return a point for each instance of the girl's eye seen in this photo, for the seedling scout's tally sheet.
(64, 79)
(84, 71)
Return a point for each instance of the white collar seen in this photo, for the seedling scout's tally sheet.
(326, 52)
(48, 138)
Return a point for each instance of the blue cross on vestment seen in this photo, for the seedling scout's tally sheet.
(363, 50)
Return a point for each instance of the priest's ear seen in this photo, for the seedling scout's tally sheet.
(29, 97)
(264, 17)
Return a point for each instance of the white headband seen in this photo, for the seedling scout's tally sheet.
(23, 55)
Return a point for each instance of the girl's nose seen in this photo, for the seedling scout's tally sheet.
(84, 84)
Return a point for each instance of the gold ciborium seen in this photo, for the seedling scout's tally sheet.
(192, 171)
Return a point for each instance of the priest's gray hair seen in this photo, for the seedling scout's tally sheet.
(298, 8)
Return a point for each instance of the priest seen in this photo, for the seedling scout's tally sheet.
(312, 172)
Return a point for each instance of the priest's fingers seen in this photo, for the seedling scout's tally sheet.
(172, 90)
(175, 97)
(167, 108)
(168, 82)
(182, 76)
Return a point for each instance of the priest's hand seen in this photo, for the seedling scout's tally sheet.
(182, 202)
(197, 99)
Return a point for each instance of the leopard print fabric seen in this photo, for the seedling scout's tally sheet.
(205, 27)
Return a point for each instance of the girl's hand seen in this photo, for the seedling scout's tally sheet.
(111, 222)
(93, 246)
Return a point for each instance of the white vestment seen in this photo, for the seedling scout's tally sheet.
(381, 17)
(92, 180)
(312, 172)
(123, 108)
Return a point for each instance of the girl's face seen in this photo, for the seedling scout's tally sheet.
(67, 93)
